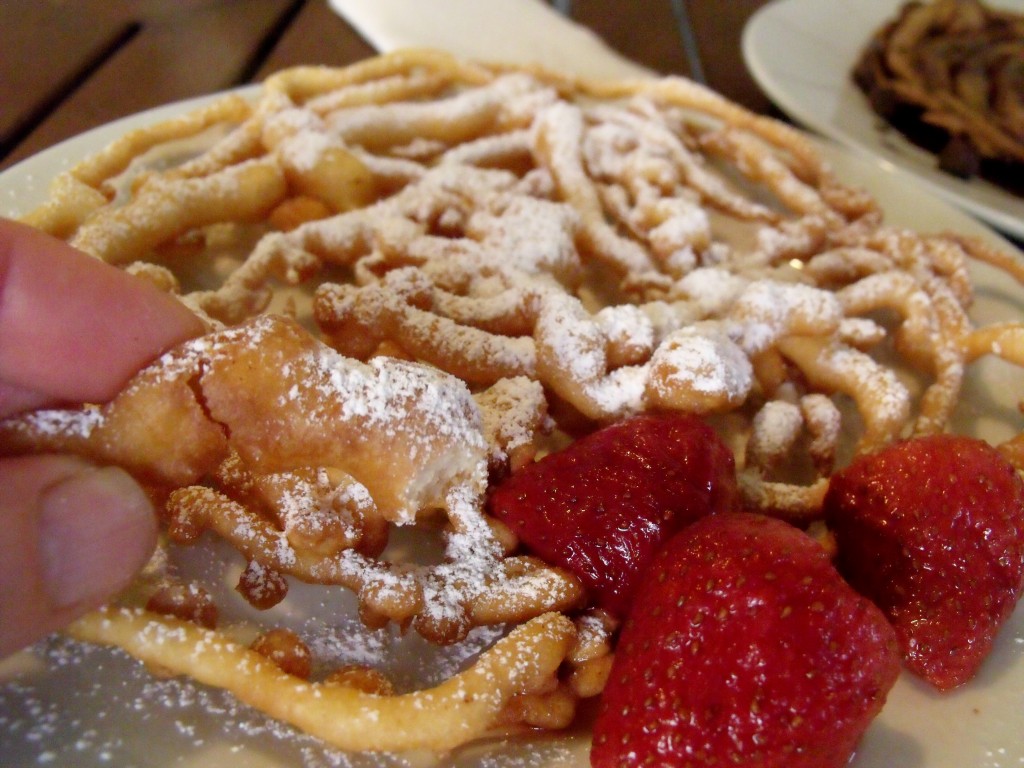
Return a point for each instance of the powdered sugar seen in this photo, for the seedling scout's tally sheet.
(702, 361)
(77, 425)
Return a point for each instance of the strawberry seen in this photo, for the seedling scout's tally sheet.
(932, 530)
(604, 505)
(747, 648)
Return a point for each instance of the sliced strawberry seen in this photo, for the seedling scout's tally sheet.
(604, 505)
(747, 648)
(932, 530)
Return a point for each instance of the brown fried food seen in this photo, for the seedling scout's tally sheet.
(461, 709)
(949, 74)
(402, 439)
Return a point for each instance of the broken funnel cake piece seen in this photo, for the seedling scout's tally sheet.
(419, 277)
(949, 75)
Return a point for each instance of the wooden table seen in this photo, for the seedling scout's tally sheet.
(70, 66)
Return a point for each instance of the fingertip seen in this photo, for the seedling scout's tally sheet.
(73, 327)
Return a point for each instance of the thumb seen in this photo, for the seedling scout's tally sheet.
(71, 536)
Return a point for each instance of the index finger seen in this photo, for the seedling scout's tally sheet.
(73, 328)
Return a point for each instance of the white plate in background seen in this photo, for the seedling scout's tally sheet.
(801, 52)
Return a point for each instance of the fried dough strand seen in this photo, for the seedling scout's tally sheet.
(465, 707)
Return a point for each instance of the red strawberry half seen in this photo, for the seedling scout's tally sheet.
(603, 506)
(932, 530)
(744, 647)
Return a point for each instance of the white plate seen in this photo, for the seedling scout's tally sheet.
(96, 708)
(801, 52)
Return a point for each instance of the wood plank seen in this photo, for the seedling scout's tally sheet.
(719, 28)
(649, 33)
(181, 50)
(317, 35)
(645, 32)
(47, 52)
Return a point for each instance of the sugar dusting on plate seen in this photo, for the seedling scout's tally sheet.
(67, 703)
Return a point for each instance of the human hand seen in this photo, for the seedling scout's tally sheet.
(72, 329)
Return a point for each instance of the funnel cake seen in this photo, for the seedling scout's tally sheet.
(419, 273)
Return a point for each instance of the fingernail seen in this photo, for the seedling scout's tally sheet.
(97, 529)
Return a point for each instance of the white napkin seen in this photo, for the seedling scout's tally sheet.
(510, 31)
